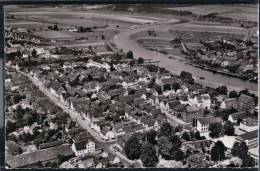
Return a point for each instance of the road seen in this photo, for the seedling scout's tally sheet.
(73, 114)
(106, 145)
(174, 121)
(123, 41)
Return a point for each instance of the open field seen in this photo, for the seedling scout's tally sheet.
(247, 12)
(64, 34)
(52, 34)
(25, 24)
(86, 15)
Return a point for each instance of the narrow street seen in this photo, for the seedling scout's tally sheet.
(106, 145)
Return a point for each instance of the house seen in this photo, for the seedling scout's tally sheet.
(250, 138)
(191, 113)
(11, 147)
(149, 123)
(114, 160)
(206, 101)
(123, 139)
(107, 133)
(202, 100)
(235, 116)
(87, 163)
(129, 129)
(246, 103)
(167, 83)
(249, 124)
(254, 153)
(83, 147)
(138, 128)
(203, 123)
(50, 144)
(197, 160)
(229, 103)
(171, 105)
(26, 159)
(197, 144)
(118, 129)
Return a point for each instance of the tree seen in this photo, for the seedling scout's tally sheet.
(197, 135)
(187, 77)
(129, 55)
(186, 136)
(177, 154)
(10, 127)
(248, 161)
(151, 83)
(218, 151)
(233, 94)
(148, 155)
(165, 129)
(17, 98)
(28, 119)
(51, 164)
(178, 128)
(140, 60)
(229, 128)
(176, 142)
(239, 121)
(55, 27)
(222, 90)
(19, 113)
(246, 92)
(215, 130)
(132, 148)
(158, 89)
(34, 53)
(241, 150)
(151, 135)
(164, 147)
(203, 149)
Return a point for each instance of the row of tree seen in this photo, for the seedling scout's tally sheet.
(217, 129)
(167, 142)
(239, 149)
(146, 152)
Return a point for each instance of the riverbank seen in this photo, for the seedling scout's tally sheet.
(122, 40)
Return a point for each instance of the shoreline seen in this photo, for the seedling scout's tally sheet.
(123, 41)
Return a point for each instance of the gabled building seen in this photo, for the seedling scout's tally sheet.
(190, 113)
(83, 147)
(235, 116)
(250, 138)
(203, 123)
(249, 124)
(246, 103)
(229, 103)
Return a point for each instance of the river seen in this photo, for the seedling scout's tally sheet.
(123, 41)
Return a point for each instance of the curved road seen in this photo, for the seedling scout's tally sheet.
(123, 41)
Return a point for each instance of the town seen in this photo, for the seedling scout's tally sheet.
(74, 99)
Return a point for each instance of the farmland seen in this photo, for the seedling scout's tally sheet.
(245, 12)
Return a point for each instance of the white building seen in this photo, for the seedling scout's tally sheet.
(203, 124)
(84, 147)
(250, 138)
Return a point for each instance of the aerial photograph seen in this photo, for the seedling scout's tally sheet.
(131, 86)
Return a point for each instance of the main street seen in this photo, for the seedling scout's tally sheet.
(106, 145)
